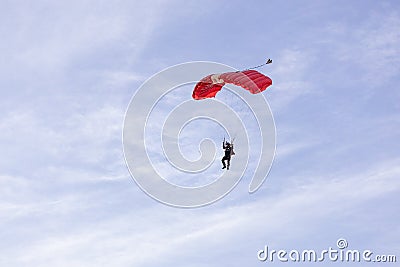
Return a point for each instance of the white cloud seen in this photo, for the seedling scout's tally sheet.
(290, 78)
(80, 208)
(373, 46)
(76, 30)
(160, 234)
(81, 138)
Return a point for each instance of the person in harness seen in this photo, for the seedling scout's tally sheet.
(228, 153)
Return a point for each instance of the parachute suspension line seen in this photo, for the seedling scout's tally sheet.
(269, 61)
(240, 106)
(235, 103)
(244, 109)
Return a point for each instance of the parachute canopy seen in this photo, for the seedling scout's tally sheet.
(250, 80)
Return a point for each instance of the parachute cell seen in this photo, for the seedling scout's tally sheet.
(250, 80)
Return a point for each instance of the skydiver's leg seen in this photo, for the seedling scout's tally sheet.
(223, 163)
(229, 163)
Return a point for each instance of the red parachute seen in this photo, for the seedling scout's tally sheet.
(250, 80)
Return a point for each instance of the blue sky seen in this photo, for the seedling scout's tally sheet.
(70, 68)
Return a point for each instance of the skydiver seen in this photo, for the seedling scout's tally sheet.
(228, 153)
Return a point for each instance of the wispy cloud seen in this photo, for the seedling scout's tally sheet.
(139, 240)
(76, 31)
(81, 138)
(372, 46)
(290, 78)
(66, 197)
